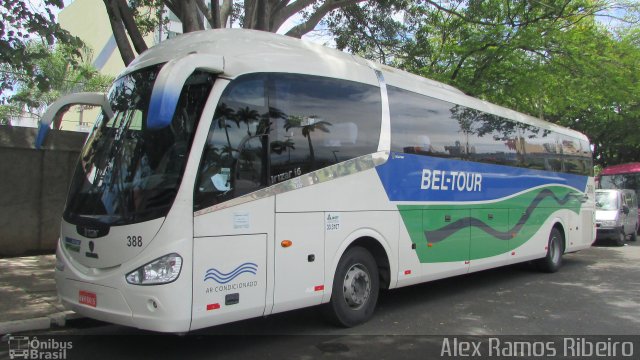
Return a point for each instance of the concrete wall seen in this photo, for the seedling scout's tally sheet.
(33, 188)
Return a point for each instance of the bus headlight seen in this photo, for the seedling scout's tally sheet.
(160, 271)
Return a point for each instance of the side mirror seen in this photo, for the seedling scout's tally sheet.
(625, 209)
(59, 107)
(168, 84)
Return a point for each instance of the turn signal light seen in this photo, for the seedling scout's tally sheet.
(286, 243)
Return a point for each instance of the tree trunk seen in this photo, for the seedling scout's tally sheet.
(119, 32)
(215, 15)
(132, 28)
(225, 12)
(190, 16)
(265, 15)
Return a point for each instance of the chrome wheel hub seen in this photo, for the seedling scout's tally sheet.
(357, 286)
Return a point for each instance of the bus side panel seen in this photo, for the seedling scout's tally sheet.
(299, 264)
(447, 234)
(358, 207)
(378, 226)
(484, 245)
(410, 268)
(233, 241)
(359, 191)
(230, 279)
(588, 217)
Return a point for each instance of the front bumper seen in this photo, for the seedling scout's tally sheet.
(607, 233)
(162, 308)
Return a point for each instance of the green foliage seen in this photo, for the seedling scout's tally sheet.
(366, 29)
(6, 113)
(21, 25)
(552, 59)
(149, 15)
(66, 73)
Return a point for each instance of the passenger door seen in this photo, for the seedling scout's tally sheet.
(233, 224)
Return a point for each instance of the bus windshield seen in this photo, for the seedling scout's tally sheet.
(127, 172)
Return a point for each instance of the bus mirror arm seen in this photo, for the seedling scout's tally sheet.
(57, 109)
(169, 83)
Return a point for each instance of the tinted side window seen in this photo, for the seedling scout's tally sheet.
(268, 128)
(234, 161)
(573, 161)
(492, 139)
(587, 156)
(539, 148)
(317, 122)
(423, 125)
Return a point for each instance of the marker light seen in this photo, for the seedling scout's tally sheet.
(160, 271)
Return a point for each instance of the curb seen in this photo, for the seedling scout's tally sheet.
(41, 323)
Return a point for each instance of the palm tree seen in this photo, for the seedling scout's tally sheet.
(310, 126)
(224, 113)
(247, 116)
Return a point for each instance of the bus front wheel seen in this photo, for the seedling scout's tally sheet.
(355, 289)
(553, 260)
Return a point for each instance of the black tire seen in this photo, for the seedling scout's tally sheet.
(634, 235)
(553, 260)
(621, 237)
(355, 289)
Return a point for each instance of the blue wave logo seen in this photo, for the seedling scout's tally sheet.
(223, 278)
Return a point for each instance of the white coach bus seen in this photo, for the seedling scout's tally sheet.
(235, 174)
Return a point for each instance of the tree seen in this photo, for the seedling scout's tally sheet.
(265, 15)
(7, 112)
(553, 59)
(21, 25)
(307, 125)
(66, 73)
(222, 117)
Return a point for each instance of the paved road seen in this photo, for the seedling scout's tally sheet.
(597, 292)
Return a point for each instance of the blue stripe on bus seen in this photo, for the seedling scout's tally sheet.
(409, 177)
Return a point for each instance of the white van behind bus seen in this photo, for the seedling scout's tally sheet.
(616, 215)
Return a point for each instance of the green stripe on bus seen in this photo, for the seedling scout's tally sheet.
(474, 231)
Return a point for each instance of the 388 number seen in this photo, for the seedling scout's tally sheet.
(134, 241)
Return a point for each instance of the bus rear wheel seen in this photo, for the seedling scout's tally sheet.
(553, 260)
(355, 289)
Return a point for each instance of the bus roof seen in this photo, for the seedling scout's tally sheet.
(621, 169)
(249, 51)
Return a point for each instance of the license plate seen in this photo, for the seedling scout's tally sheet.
(88, 298)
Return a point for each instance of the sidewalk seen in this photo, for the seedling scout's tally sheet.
(28, 299)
